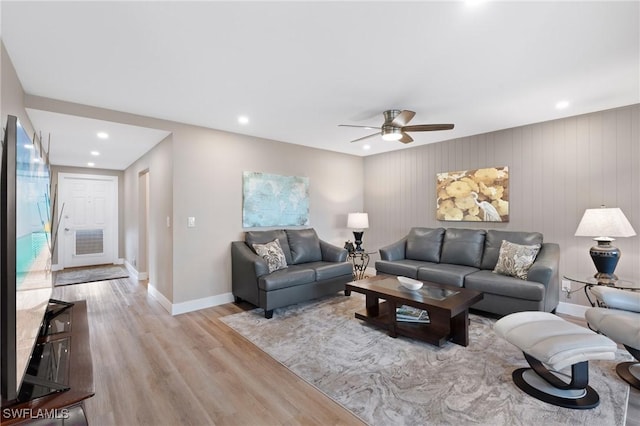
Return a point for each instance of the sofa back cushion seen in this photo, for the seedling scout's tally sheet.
(424, 244)
(264, 237)
(463, 247)
(305, 245)
(493, 242)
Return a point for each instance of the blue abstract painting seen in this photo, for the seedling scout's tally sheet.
(274, 200)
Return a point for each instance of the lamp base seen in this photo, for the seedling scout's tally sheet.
(605, 258)
(358, 240)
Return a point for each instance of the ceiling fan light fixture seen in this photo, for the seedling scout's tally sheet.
(391, 133)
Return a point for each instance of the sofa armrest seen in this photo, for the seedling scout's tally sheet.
(545, 270)
(394, 251)
(546, 264)
(246, 260)
(332, 253)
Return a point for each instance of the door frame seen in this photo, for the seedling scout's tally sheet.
(114, 237)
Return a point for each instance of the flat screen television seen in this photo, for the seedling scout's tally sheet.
(25, 252)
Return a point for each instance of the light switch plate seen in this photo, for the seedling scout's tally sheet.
(191, 222)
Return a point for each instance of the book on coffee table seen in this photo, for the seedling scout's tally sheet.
(408, 313)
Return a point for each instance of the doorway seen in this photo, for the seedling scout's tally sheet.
(88, 212)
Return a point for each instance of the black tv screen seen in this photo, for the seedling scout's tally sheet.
(25, 244)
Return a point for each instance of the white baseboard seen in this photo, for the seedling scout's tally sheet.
(135, 274)
(197, 304)
(159, 297)
(56, 267)
(571, 309)
(190, 305)
(119, 261)
(132, 271)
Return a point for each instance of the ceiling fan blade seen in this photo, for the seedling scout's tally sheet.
(403, 118)
(362, 127)
(405, 138)
(365, 137)
(427, 127)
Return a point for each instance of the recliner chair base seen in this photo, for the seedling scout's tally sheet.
(529, 382)
(630, 373)
(547, 386)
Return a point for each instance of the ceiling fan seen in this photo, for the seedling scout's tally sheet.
(395, 126)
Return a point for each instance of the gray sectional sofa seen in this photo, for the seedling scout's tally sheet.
(314, 268)
(467, 257)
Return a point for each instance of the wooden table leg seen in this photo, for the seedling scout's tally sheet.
(393, 332)
(373, 306)
(460, 328)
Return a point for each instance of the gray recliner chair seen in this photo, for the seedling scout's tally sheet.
(620, 321)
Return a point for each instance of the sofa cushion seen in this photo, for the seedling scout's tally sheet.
(404, 267)
(305, 245)
(515, 260)
(283, 278)
(463, 247)
(272, 254)
(328, 270)
(493, 242)
(488, 282)
(424, 244)
(263, 237)
(444, 273)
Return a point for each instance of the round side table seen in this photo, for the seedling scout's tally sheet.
(360, 261)
(589, 282)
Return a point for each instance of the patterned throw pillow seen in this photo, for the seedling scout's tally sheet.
(272, 254)
(515, 260)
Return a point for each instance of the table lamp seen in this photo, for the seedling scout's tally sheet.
(602, 224)
(358, 222)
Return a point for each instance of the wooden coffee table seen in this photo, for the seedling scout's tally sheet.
(448, 313)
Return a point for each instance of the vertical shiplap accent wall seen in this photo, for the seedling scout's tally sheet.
(557, 170)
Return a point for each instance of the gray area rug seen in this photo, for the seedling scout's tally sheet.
(387, 381)
(90, 274)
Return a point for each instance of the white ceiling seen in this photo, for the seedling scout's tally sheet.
(298, 69)
(73, 139)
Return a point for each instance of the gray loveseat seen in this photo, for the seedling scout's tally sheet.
(467, 257)
(314, 268)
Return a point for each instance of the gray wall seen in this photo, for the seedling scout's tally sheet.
(198, 172)
(12, 94)
(557, 170)
(159, 164)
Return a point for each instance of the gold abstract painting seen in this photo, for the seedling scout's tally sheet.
(480, 195)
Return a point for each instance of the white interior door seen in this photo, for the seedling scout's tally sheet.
(89, 222)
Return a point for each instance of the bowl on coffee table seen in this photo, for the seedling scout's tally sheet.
(410, 283)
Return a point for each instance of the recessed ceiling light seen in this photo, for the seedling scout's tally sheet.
(243, 119)
(366, 147)
(90, 164)
(562, 104)
(103, 135)
(95, 153)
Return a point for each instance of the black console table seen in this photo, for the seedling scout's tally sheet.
(64, 407)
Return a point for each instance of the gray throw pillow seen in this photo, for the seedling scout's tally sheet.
(515, 260)
(272, 254)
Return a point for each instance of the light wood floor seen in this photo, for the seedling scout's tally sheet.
(154, 369)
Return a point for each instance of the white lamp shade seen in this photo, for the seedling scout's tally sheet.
(358, 221)
(604, 222)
